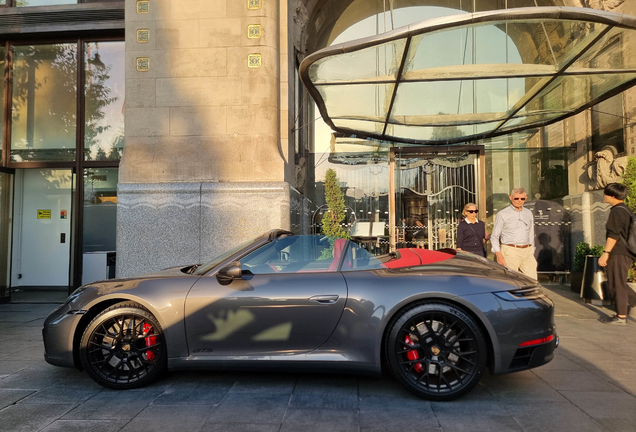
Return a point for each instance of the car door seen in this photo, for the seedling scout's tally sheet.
(288, 300)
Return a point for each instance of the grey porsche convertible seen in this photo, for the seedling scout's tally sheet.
(434, 319)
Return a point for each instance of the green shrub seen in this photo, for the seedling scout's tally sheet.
(597, 251)
(335, 213)
(629, 180)
(582, 250)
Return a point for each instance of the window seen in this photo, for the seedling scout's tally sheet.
(44, 125)
(104, 100)
(358, 258)
(44, 114)
(295, 254)
(100, 209)
(21, 3)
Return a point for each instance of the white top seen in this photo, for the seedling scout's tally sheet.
(513, 227)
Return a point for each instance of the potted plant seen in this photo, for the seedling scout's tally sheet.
(582, 250)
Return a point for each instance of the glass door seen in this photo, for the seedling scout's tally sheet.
(41, 246)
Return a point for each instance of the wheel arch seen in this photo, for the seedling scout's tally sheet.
(494, 353)
(91, 313)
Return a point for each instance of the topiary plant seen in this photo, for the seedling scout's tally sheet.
(597, 250)
(335, 213)
(582, 250)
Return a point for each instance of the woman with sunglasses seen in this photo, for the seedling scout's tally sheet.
(471, 233)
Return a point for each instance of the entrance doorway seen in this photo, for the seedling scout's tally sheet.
(42, 230)
(428, 189)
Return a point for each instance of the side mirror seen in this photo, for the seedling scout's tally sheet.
(227, 274)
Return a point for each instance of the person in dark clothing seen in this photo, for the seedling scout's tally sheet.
(471, 233)
(616, 258)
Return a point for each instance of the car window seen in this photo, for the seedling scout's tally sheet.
(358, 258)
(203, 269)
(295, 254)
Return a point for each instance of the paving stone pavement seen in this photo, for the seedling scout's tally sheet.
(589, 386)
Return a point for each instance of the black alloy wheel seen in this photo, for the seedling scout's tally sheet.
(123, 347)
(436, 351)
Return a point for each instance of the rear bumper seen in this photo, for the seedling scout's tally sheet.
(533, 356)
(519, 322)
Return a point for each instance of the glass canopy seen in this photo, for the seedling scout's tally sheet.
(472, 76)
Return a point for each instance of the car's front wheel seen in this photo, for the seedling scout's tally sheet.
(436, 351)
(123, 347)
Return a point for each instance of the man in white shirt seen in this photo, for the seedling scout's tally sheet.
(512, 236)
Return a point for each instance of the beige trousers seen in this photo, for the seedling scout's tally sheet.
(520, 260)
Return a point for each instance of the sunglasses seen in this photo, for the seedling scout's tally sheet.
(517, 199)
(472, 211)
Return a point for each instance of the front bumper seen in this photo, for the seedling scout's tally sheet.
(58, 334)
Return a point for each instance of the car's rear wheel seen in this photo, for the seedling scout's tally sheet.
(436, 351)
(123, 347)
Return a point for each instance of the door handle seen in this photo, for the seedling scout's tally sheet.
(325, 299)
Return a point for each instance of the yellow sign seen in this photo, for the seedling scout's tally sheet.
(44, 214)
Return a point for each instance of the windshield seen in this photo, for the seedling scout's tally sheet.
(218, 260)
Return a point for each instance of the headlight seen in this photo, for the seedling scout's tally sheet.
(74, 295)
(526, 293)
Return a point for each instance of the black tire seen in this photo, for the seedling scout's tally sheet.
(436, 351)
(123, 347)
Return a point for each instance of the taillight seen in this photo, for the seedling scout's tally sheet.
(537, 341)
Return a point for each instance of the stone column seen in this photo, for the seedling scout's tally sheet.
(204, 165)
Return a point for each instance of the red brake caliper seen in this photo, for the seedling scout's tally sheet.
(412, 355)
(150, 356)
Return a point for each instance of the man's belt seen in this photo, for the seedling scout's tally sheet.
(517, 246)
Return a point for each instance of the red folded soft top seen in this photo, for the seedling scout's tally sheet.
(414, 257)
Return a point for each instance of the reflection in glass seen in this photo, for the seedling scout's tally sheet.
(366, 126)
(438, 49)
(607, 125)
(364, 101)
(104, 96)
(43, 2)
(439, 133)
(565, 94)
(366, 63)
(44, 109)
(2, 53)
(294, 254)
(100, 209)
(358, 258)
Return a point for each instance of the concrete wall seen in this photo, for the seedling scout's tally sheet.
(199, 119)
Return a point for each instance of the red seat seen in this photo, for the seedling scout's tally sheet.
(338, 247)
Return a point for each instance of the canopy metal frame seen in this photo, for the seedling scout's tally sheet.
(612, 20)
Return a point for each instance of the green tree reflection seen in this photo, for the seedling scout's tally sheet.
(56, 121)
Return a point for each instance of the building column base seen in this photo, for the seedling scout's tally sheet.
(163, 225)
